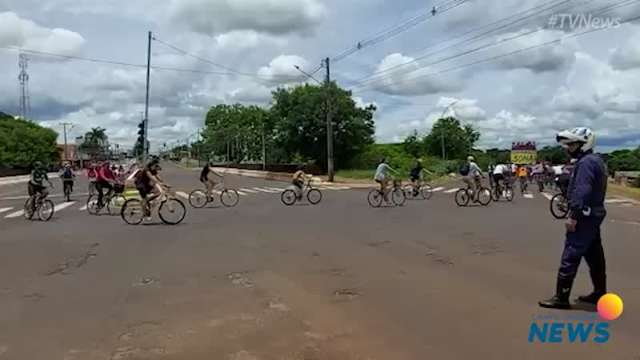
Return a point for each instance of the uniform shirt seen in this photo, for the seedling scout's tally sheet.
(382, 172)
(588, 186)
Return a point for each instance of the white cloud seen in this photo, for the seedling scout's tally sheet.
(268, 16)
(627, 56)
(411, 79)
(282, 69)
(542, 59)
(19, 32)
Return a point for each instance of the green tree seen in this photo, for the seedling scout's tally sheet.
(23, 142)
(95, 142)
(300, 123)
(458, 140)
(624, 160)
(412, 145)
(555, 154)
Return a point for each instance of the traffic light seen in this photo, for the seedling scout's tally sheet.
(141, 130)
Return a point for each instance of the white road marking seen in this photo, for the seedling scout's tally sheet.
(182, 194)
(241, 193)
(450, 191)
(528, 196)
(5, 209)
(616, 201)
(275, 189)
(83, 208)
(15, 214)
(61, 206)
(265, 190)
(249, 191)
(337, 187)
(438, 189)
(548, 196)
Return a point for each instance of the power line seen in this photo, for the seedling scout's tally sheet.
(398, 29)
(477, 37)
(455, 68)
(374, 80)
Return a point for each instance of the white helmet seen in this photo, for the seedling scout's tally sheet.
(470, 158)
(581, 135)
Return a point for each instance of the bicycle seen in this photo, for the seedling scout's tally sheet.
(398, 196)
(482, 195)
(524, 185)
(67, 184)
(43, 207)
(293, 194)
(113, 200)
(559, 204)
(505, 191)
(418, 189)
(199, 198)
(171, 210)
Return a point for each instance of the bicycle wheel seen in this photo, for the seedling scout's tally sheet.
(288, 197)
(558, 206)
(132, 212)
(314, 196)
(426, 191)
(172, 211)
(229, 197)
(198, 198)
(462, 197)
(92, 205)
(28, 209)
(375, 198)
(115, 204)
(484, 196)
(398, 197)
(46, 209)
(496, 193)
(508, 194)
(409, 191)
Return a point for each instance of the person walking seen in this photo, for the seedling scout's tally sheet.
(586, 194)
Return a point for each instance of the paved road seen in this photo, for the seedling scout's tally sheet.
(339, 280)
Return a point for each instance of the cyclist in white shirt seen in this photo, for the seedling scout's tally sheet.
(473, 175)
(382, 177)
(499, 173)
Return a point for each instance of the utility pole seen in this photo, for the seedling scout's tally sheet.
(145, 145)
(329, 115)
(264, 149)
(444, 155)
(66, 151)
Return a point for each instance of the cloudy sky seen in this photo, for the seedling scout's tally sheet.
(487, 56)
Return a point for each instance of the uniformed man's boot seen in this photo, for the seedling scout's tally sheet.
(599, 289)
(561, 299)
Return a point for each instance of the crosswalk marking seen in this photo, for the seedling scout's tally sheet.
(616, 201)
(249, 190)
(5, 209)
(83, 208)
(440, 188)
(275, 189)
(241, 193)
(548, 196)
(265, 190)
(528, 196)
(61, 206)
(15, 214)
(451, 191)
(182, 194)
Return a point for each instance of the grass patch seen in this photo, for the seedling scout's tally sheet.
(624, 191)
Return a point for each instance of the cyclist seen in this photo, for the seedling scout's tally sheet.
(382, 177)
(35, 186)
(523, 174)
(67, 175)
(298, 180)
(146, 182)
(92, 175)
(207, 180)
(416, 175)
(471, 175)
(500, 171)
(537, 173)
(105, 180)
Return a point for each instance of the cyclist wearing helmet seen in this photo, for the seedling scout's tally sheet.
(586, 194)
(471, 174)
(67, 175)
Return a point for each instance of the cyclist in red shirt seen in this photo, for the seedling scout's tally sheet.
(105, 180)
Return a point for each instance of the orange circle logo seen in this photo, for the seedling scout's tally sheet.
(610, 306)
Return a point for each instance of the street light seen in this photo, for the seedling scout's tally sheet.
(442, 132)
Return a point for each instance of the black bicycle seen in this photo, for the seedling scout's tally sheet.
(503, 190)
(418, 190)
(113, 200)
(293, 194)
(67, 186)
(39, 204)
(199, 198)
(559, 204)
(482, 195)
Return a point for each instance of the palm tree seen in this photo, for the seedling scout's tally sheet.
(95, 142)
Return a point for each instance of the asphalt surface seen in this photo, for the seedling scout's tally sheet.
(338, 280)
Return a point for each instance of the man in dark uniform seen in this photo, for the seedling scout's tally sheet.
(586, 194)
